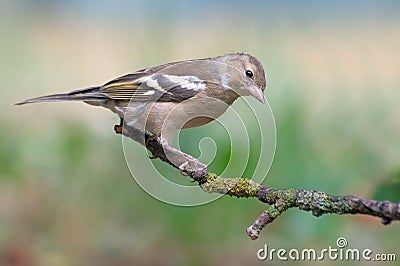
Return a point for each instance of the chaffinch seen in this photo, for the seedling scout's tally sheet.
(184, 94)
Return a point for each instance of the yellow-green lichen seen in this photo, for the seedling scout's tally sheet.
(239, 187)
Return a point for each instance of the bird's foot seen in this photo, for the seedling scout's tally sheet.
(119, 128)
(182, 168)
(153, 156)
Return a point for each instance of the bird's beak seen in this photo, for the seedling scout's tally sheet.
(257, 93)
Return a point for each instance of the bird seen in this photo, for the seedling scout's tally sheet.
(172, 96)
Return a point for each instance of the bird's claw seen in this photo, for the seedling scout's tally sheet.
(153, 156)
(182, 168)
(118, 129)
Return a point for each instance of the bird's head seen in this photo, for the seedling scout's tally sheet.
(251, 77)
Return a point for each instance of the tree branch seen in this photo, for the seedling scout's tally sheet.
(278, 200)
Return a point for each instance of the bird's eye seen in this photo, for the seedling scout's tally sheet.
(249, 73)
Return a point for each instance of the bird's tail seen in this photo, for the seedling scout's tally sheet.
(88, 94)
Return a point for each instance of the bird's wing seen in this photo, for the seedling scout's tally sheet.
(144, 86)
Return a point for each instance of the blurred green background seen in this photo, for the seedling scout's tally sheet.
(66, 195)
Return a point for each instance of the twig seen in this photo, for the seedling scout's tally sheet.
(278, 200)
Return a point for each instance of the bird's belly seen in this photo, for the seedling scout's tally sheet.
(198, 121)
(200, 114)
